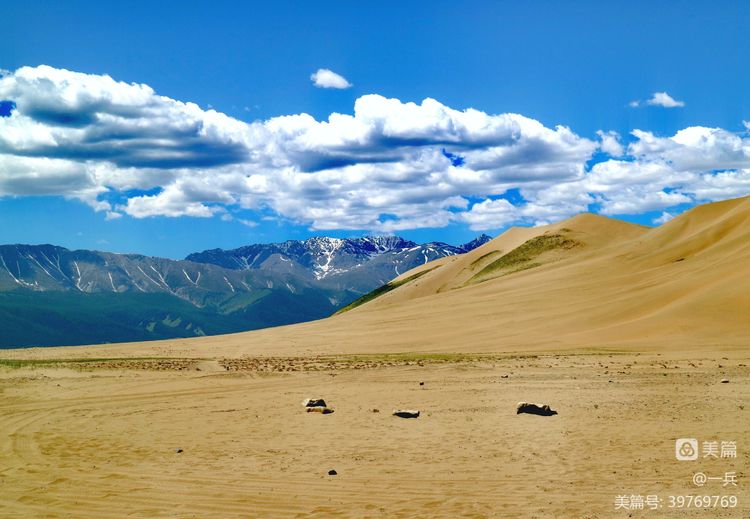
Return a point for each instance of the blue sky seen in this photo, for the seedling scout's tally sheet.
(579, 65)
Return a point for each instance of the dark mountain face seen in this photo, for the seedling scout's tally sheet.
(476, 242)
(105, 296)
(319, 257)
(356, 265)
(46, 268)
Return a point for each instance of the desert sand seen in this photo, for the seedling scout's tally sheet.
(626, 331)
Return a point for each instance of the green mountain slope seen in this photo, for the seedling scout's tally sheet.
(29, 318)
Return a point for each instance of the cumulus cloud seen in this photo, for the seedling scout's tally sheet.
(490, 214)
(325, 78)
(610, 143)
(665, 100)
(662, 99)
(388, 166)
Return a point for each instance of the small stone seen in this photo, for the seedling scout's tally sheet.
(725, 381)
(421, 383)
(406, 413)
(376, 410)
(177, 451)
(332, 472)
(314, 402)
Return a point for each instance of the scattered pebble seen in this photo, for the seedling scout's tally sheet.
(406, 413)
(725, 381)
(421, 383)
(178, 451)
(376, 410)
(332, 472)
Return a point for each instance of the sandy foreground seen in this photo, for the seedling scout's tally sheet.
(99, 439)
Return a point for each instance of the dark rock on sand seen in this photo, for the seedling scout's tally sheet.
(537, 409)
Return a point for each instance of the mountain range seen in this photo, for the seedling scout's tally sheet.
(50, 295)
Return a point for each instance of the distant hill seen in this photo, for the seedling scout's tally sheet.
(50, 295)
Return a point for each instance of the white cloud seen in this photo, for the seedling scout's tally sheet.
(694, 148)
(664, 100)
(247, 223)
(610, 143)
(388, 166)
(720, 186)
(664, 218)
(74, 116)
(490, 214)
(325, 78)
